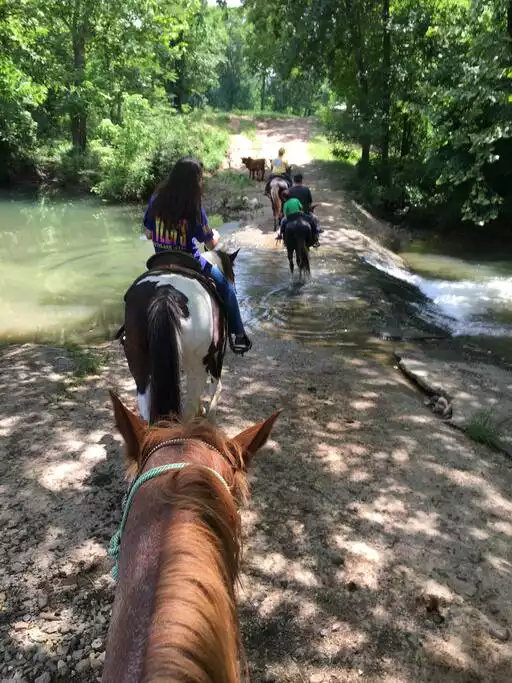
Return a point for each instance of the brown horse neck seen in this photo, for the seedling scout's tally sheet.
(174, 617)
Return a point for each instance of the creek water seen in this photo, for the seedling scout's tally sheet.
(65, 265)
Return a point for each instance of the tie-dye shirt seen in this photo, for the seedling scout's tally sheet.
(182, 237)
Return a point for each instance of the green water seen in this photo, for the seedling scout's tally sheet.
(64, 267)
(66, 264)
(450, 259)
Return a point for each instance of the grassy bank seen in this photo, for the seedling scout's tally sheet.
(124, 161)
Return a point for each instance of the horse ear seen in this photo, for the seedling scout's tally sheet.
(255, 437)
(233, 255)
(129, 425)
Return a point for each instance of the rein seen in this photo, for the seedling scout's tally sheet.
(114, 548)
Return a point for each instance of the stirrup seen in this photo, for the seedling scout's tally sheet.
(120, 334)
(240, 349)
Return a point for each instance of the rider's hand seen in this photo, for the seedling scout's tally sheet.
(214, 241)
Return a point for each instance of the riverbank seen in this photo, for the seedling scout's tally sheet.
(377, 541)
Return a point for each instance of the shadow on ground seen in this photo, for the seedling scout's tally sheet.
(377, 540)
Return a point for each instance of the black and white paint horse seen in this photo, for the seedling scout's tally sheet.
(175, 325)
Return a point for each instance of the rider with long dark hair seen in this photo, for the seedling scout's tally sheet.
(176, 220)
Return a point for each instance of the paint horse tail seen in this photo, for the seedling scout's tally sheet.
(164, 337)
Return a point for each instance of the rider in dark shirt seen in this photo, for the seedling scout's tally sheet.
(292, 210)
(301, 192)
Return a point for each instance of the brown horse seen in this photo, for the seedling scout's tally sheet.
(277, 187)
(174, 617)
(256, 167)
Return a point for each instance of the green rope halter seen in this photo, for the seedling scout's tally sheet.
(114, 548)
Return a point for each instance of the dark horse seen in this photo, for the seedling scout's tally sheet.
(175, 323)
(298, 239)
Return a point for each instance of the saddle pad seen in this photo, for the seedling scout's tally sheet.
(181, 259)
(205, 280)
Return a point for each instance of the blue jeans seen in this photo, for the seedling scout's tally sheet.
(227, 292)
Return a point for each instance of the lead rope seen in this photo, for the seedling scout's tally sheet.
(114, 548)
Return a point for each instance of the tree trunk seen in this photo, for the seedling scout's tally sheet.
(263, 97)
(362, 80)
(405, 144)
(364, 164)
(80, 30)
(79, 132)
(386, 92)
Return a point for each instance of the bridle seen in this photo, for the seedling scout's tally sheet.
(142, 477)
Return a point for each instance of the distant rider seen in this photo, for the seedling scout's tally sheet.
(303, 194)
(279, 169)
(293, 210)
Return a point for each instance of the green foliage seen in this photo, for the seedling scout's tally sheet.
(107, 94)
(85, 361)
(237, 86)
(423, 88)
(19, 93)
(90, 91)
(136, 155)
(484, 428)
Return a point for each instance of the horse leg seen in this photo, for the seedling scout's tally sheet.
(215, 391)
(196, 380)
(143, 402)
(290, 260)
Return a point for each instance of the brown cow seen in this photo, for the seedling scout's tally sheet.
(256, 167)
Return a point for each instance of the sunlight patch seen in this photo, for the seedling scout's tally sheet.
(448, 650)
(63, 475)
(364, 550)
(85, 553)
(7, 424)
(362, 405)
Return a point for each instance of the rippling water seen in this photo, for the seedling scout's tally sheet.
(65, 265)
(481, 306)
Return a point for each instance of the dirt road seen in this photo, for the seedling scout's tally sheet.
(378, 540)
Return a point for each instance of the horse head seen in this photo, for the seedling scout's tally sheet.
(235, 453)
(180, 539)
(223, 260)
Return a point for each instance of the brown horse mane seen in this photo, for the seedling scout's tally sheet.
(194, 635)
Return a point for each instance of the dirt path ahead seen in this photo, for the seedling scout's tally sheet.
(378, 540)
